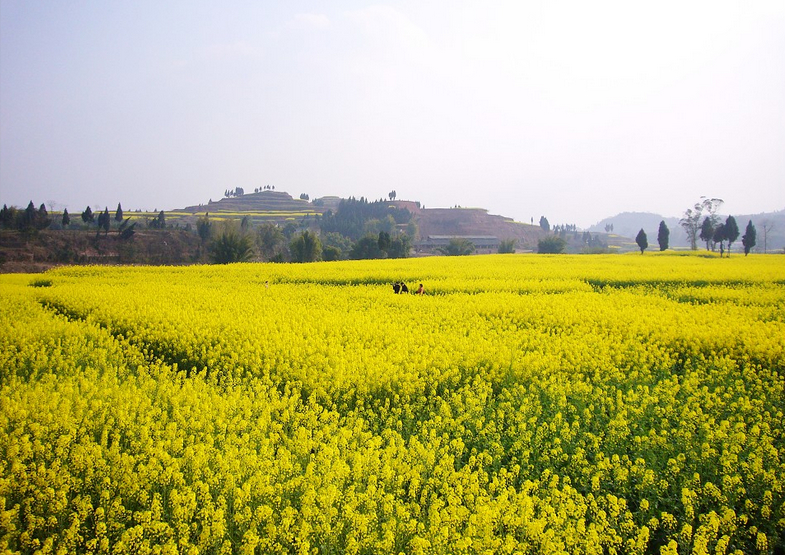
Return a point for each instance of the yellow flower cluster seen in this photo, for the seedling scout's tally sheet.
(523, 404)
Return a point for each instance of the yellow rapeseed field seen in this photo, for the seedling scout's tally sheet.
(523, 404)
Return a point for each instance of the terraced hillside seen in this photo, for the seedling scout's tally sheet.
(266, 206)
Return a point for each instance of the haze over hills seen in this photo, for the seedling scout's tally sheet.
(614, 234)
(478, 222)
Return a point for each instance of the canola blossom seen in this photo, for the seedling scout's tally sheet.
(523, 405)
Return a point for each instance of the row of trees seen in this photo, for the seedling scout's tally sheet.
(711, 232)
(557, 242)
(353, 218)
(231, 242)
(702, 222)
(32, 219)
(358, 229)
(29, 219)
(693, 217)
(37, 219)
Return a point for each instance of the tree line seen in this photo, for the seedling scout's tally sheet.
(702, 222)
(358, 229)
(34, 219)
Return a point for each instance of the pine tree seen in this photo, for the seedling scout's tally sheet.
(6, 217)
(731, 231)
(66, 218)
(107, 220)
(748, 240)
(663, 235)
(118, 216)
(719, 237)
(707, 231)
(29, 217)
(642, 240)
(87, 215)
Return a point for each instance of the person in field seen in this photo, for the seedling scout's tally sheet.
(420, 290)
(404, 289)
(396, 287)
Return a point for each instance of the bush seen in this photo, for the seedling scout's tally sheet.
(552, 244)
(230, 246)
(458, 247)
(507, 246)
(306, 247)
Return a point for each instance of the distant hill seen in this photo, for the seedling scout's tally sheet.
(475, 222)
(628, 224)
(280, 207)
(263, 201)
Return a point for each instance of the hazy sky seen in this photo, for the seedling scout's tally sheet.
(574, 110)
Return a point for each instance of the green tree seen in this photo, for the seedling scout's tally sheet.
(104, 220)
(384, 241)
(399, 246)
(159, 222)
(29, 217)
(366, 248)
(271, 241)
(690, 222)
(385, 224)
(731, 231)
(749, 237)
(642, 241)
(66, 218)
(7, 216)
(289, 230)
(352, 218)
(507, 246)
(457, 247)
(331, 253)
(333, 239)
(118, 215)
(230, 246)
(544, 223)
(719, 237)
(663, 235)
(204, 228)
(553, 244)
(127, 231)
(707, 231)
(712, 205)
(42, 218)
(306, 247)
(87, 216)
